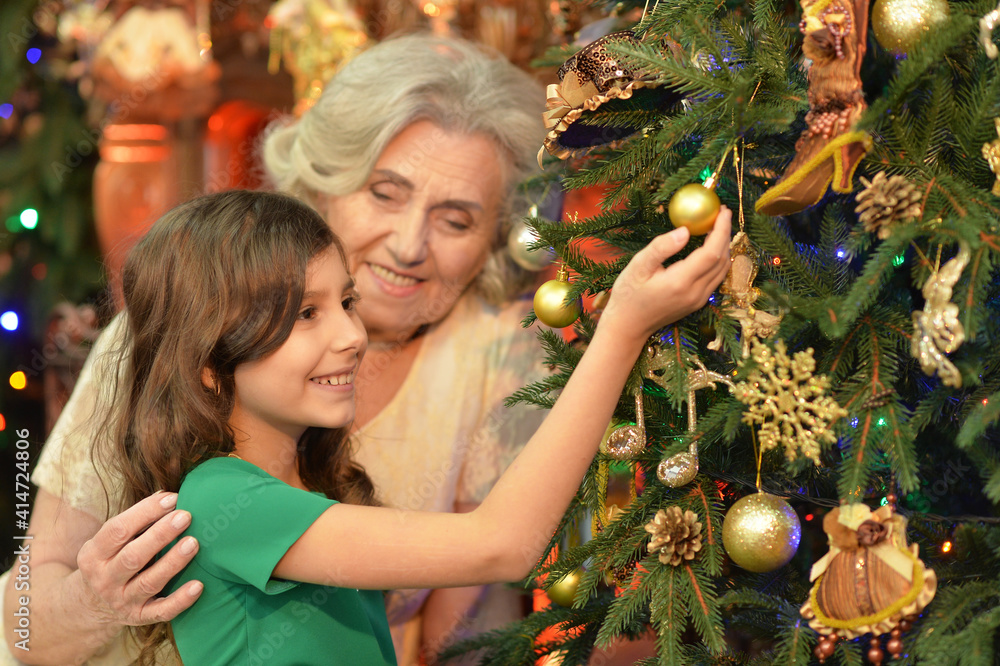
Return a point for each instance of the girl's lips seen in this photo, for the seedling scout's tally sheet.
(393, 283)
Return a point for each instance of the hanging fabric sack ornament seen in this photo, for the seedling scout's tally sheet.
(553, 305)
(899, 25)
(869, 581)
(595, 78)
(829, 150)
(991, 153)
(519, 242)
(936, 329)
(761, 532)
(628, 441)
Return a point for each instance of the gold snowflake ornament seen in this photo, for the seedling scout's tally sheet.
(789, 401)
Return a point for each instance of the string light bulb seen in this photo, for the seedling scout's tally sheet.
(18, 380)
(9, 320)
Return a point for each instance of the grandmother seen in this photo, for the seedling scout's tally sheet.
(413, 154)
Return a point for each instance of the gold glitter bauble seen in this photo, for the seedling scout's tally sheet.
(761, 532)
(900, 24)
(678, 470)
(553, 308)
(564, 590)
(518, 240)
(694, 206)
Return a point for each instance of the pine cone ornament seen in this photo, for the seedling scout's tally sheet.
(676, 535)
(887, 200)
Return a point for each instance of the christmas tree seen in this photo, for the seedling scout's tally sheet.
(814, 453)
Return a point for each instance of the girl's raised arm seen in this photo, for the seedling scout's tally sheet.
(378, 548)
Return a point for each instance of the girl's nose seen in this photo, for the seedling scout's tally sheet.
(349, 334)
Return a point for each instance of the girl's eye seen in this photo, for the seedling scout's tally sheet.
(307, 313)
(350, 302)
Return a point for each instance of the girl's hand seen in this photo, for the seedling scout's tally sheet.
(646, 296)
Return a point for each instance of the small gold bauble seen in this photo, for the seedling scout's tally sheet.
(563, 591)
(694, 206)
(761, 532)
(678, 470)
(518, 240)
(552, 306)
(900, 24)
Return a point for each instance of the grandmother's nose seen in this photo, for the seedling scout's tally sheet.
(408, 241)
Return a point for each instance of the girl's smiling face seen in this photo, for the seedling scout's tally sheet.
(309, 380)
(420, 230)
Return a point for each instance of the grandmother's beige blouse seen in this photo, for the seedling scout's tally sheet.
(444, 438)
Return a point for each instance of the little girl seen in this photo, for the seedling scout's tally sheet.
(242, 347)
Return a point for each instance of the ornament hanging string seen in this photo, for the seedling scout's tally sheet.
(758, 454)
(646, 7)
(738, 162)
(739, 152)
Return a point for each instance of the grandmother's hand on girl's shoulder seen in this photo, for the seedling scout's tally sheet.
(647, 296)
(122, 581)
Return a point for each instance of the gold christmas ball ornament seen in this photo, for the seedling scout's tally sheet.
(761, 532)
(899, 25)
(563, 591)
(552, 303)
(694, 206)
(521, 236)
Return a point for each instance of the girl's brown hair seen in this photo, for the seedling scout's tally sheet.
(217, 282)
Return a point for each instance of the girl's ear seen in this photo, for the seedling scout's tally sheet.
(208, 380)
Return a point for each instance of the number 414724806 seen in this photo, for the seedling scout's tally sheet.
(21, 478)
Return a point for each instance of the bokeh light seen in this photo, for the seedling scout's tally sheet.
(9, 320)
(29, 218)
(18, 380)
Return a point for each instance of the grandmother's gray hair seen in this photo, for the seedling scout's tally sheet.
(455, 84)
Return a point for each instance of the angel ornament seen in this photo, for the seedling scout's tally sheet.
(991, 153)
(740, 296)
(936, 329)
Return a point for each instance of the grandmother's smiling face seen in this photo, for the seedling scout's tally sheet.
(421, 228)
